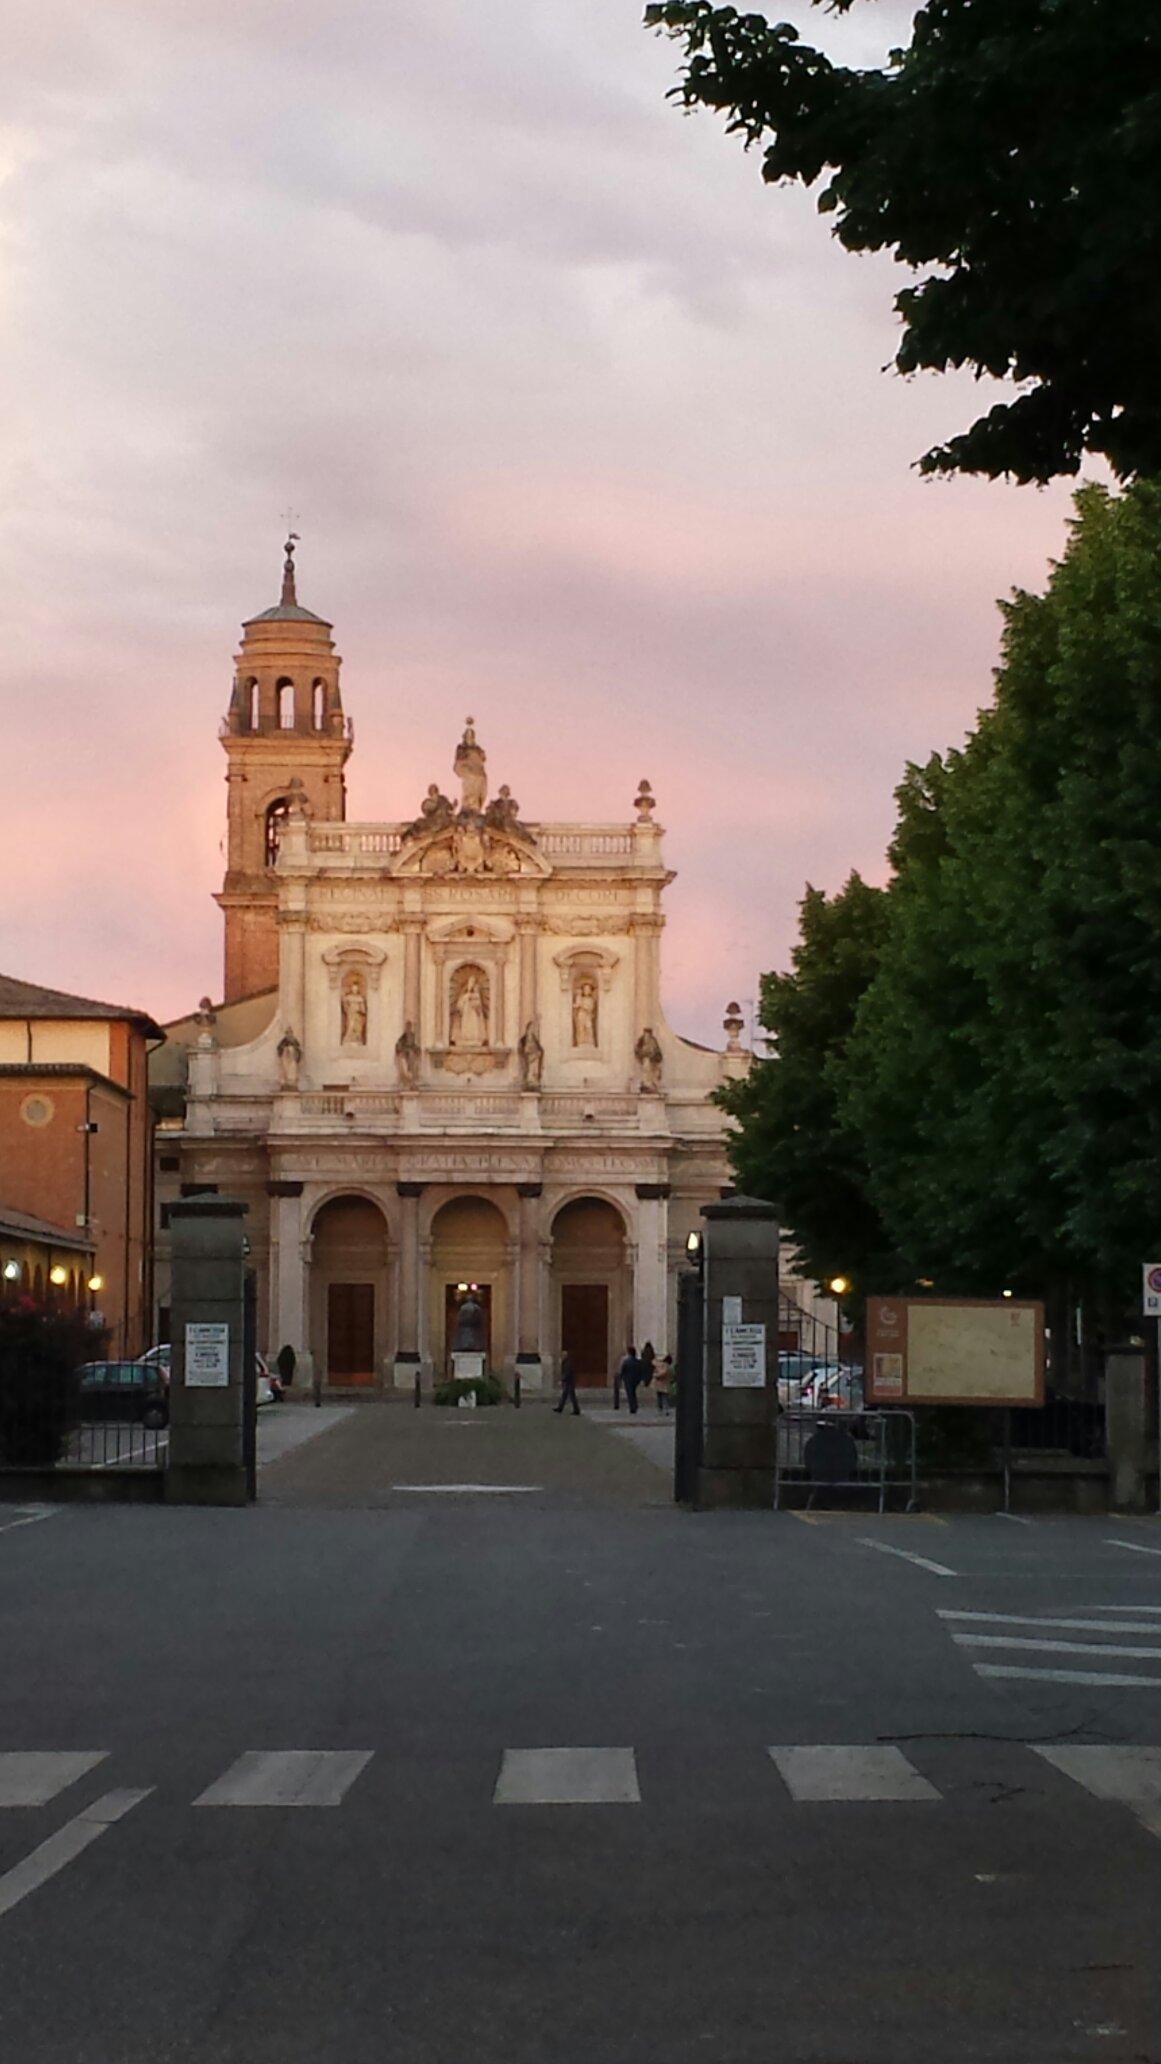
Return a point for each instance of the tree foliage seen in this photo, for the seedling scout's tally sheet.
(1011, 153)
(792, 1145)
(968, 1070)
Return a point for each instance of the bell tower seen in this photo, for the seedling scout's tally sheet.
(285, 736)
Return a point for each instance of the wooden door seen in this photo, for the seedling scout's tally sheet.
(584, 1330)
(351, 1333)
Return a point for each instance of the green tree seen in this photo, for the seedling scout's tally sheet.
(1004, 1073)
(792, 1146)
(1012, 154)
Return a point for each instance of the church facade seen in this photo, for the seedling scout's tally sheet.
(441, 1063)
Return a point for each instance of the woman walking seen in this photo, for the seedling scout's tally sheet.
(662, 1379)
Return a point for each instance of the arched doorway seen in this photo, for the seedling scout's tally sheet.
(469, 1249)
(349, 1291)
(591, 1288)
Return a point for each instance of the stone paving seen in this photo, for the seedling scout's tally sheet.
(385, 1452)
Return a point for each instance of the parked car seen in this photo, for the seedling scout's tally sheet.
(270, 1384)
(125, 1390)
(795, 1370)
(833, 1386)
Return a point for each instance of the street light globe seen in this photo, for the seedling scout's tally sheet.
(839, 1286)
(11, 1271)
(58, 1275)
(96, 1282)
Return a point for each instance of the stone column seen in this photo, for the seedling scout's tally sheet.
(207, 1443)
(526, 931)
(289, 1319)
(412, 929)
(529, 1365)
(407, 1363)
(292, 977)
(650, 1279)
(740, 1262)
(1126, 1423)
(646, 971)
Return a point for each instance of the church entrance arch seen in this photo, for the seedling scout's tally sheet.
(469, 1252)
(349, 1291)
(591, 1286)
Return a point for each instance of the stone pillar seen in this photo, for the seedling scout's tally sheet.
(526, 931)
(646, 971)
(1126, 1423)
(407, 1364)
(740, 1264)
(289, 1320)
(529, 1363)
(412, 929)
(650, 1278)
(292, 977)
(207, 1463)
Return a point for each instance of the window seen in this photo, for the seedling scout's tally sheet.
(284, 698)
(251, 706)
(318, 703)
(276, 817)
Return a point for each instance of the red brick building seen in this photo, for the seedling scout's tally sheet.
(76, 1185)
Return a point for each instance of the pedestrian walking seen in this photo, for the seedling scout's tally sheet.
(567, 1386)
(648, 1360)
(662, 1378)
(629, 1376)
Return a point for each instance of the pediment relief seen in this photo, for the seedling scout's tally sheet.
(470, 849)
(470, 931)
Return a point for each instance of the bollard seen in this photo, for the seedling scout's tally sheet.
(516, 1391)
(418, 1392)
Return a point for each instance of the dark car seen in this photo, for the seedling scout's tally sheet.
(125, 1390)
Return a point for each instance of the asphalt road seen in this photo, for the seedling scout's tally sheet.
(958, 1885)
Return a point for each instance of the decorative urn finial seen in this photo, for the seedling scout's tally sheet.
(733, 1025)
(289, 597)
(645, 802)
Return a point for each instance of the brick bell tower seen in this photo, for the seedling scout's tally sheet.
(284, 733)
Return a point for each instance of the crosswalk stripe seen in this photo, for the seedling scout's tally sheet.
(1088, 1648)
(1129, 1776)
(1011, 1619)
(819, 1773)
(287, 1777)
(31, 1777)
(51, 1855)
(1109, 1678)
(938, 1569)
(1138, 1547)
(568, 1777)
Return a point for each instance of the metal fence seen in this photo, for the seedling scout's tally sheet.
(104, 1415)
(847, 1451)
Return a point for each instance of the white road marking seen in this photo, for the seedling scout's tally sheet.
(28, 1516)
(287, 1777)
(1130, 1776)
(938, 1569)
(1009, 1619)
(1128, 1608)
(1089, 1677)
(68, 1842)
(1015, 1518)
(463, 1490)
(31, 1777)
(1088, 1648)
(828, 1773)
(1137, 1547)
(568, 1777)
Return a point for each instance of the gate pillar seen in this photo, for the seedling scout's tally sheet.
(740, 1281)
(211, 1392)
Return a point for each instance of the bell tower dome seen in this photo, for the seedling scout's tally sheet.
(284, 736)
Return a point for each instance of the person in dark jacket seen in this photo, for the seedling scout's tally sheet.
(629, 1375)
(567, 1385)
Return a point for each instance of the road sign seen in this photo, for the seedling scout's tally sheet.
(1151, 1289)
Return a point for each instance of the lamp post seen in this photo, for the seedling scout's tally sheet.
(838, 1287)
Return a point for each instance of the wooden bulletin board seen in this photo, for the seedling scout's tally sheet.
(954, 1351)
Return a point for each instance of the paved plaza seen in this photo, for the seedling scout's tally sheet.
(465, 1741)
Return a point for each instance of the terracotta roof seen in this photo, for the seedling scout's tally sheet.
(20, 1225)
(32, 1000)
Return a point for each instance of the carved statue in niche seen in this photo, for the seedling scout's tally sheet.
(531, 1056)
(649, 1060)
(584, 1011)
(354, 1008)
(407, 1057)
(469, 1008)
(289, 1059)
(470, 766)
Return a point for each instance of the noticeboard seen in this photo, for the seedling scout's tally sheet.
(207, 1356)
(743, 1357)
(954, 1351)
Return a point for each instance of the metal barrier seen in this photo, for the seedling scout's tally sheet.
(847, 1451)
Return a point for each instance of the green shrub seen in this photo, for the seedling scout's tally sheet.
(40, 1385)
(488, 1390)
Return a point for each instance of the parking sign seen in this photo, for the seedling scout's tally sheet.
(1151, 1288)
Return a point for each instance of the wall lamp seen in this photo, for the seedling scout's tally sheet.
(694, 1249)
(11, 1271)
(96, 1283)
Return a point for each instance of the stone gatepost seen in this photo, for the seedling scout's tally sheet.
(1126, 1427)
(740, 1265)
(207, 1390)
